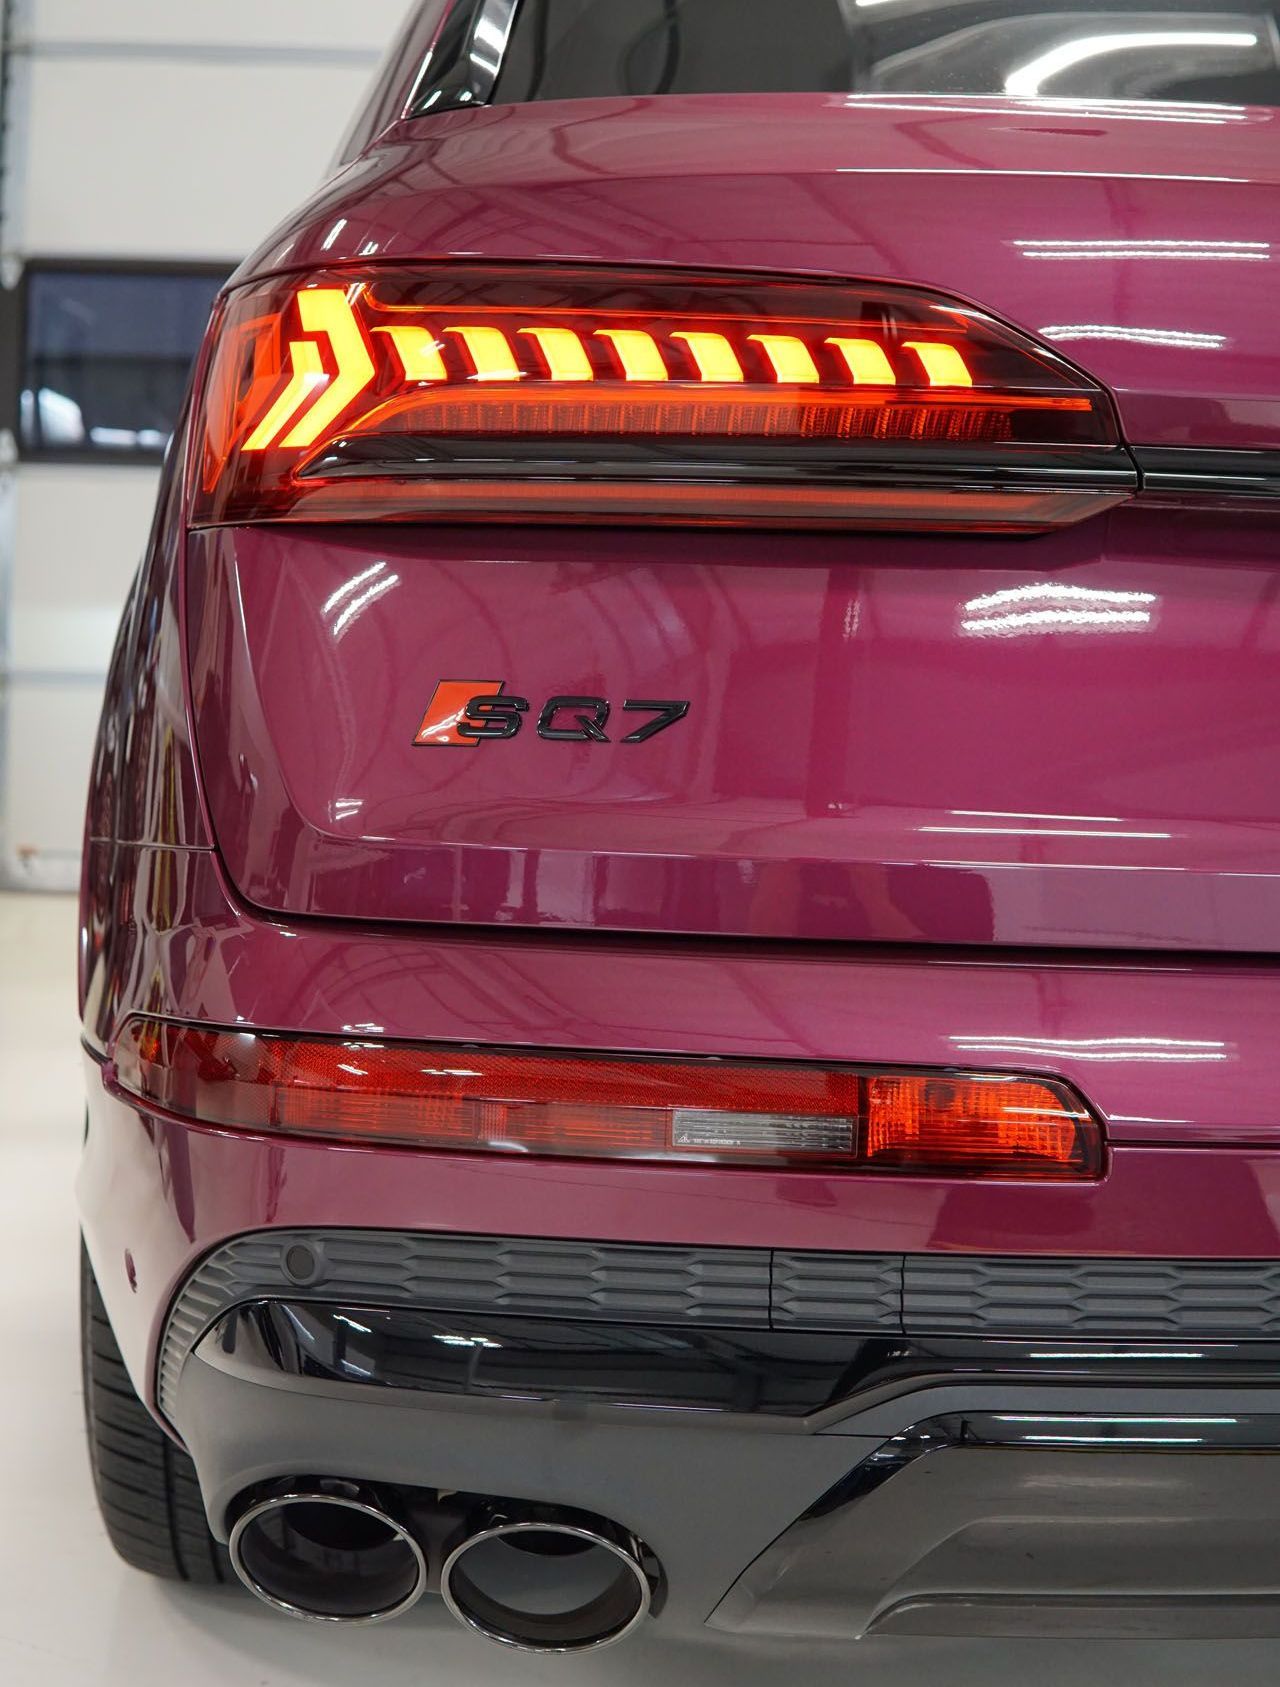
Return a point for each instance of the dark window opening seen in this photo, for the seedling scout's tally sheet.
(106, 356)
(1085, 49)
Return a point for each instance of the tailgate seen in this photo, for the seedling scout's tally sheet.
(1073, 739)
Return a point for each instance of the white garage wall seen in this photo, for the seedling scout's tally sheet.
(204, 155)
(137, 129)
(296, 25)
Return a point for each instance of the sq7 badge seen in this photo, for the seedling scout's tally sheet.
(464, 713)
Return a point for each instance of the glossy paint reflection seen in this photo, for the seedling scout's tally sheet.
(1068, 333)
(1185, 1062)
(1062, 67)
(1167, 212)
(1122, 249)
(753, 1372)
(1055, 780)
(1052, 607)
(1164, 1050)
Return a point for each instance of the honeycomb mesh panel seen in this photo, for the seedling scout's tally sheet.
(813, 1291)
(610, 1282)
(916, 1295)
(1223, 1299)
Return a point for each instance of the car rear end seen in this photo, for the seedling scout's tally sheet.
(681, 897)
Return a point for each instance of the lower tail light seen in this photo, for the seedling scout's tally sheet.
(603, 1106)
(543, 392)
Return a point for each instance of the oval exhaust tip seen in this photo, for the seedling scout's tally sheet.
(332, 1553)
(548, 1583)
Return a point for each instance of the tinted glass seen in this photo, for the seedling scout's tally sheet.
(564, 49)
(107, 355)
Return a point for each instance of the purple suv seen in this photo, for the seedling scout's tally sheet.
(683, 865)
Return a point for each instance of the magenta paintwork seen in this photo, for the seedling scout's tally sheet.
(165, 1194)
(1072, 741)
(1140, 241)
(1166, 1050)
(1169, 1053)
(820, 788)
(143, 786)
(903, 756)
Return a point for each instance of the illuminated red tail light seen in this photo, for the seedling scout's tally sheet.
(462, 392)
(591, 1106)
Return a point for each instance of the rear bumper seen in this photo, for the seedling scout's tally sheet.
(796, 1391)
(784, 1378)
(156, 1196)
(846, 1484)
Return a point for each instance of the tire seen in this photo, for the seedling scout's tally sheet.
(146, 1485)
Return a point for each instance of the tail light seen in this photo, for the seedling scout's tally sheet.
(593, 1106)
(465, 393)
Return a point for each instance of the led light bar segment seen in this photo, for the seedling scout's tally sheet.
(445, 383)
(608, 1106)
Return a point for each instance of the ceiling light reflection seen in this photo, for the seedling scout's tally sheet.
(1115, 111)
(1051, 607)
(1124, 1439)
(1183, 251)
(1039, 832)
(356, 608)
(353, 584)
(1023, 814)
(1178, 338)
(1119, 1353)
(1027, 81)
(1161, 1049)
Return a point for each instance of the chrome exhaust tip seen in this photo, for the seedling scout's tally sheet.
(543, 1580)
(328, 1552)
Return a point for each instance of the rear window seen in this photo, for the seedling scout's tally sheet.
(571, 49)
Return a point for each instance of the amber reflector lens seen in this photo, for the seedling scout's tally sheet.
(589, 1106)
(992, 1125)
(557, 393)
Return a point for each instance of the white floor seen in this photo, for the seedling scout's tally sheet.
(72, 1616)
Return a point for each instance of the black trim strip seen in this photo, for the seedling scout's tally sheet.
(1087, 469)
(1225, 474)
(299, 1345)
(465, 64)
(928, 1308)
(1050, 1431)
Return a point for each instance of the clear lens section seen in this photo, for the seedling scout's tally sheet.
(760, 1133)
(591, 1106)
(541, 392)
